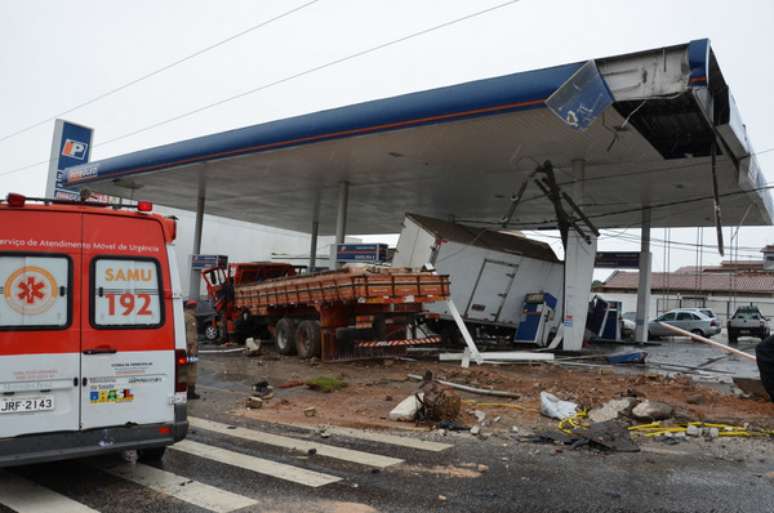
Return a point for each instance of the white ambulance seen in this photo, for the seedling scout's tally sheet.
(92, 336)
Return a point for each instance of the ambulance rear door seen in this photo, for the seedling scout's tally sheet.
(39, 321)
(127, 349)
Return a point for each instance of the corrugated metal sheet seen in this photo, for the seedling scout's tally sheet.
(488, 239)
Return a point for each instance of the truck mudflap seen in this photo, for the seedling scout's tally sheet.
(39, 448)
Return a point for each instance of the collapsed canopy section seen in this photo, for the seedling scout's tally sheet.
(642, 137)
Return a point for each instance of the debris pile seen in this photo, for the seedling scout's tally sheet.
(433, 401)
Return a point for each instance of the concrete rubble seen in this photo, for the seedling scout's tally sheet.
(612, 409)
(652, 410)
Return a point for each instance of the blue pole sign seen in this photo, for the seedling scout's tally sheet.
(71, 146)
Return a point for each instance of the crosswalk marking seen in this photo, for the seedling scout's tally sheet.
(259, 465)
(353, 456)
(193, 492)
(24, 496)
(403, 441)
(375, 436)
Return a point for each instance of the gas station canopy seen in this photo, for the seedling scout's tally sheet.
(643, 138)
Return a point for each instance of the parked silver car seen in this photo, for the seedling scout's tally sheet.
(687, 319)
(706, 311)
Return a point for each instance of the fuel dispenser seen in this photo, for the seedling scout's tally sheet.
(538, 311)
(604, 319)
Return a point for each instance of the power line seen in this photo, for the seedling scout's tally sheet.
(292, 77)
(158, 71)
(311, 70)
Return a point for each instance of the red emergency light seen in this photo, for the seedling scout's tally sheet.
(144, 206)
(15, 200)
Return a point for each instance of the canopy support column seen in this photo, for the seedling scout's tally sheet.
(341, 220)
(643, 290)
(313, 236)
(194, 284)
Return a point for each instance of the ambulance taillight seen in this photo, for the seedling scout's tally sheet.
(181, 371)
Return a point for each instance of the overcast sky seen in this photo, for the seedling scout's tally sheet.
(55, 55)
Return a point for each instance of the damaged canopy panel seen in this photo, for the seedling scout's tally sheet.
(640, 134)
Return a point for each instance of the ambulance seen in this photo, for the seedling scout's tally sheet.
(92, 334)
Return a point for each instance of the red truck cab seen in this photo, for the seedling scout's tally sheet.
(92, 336)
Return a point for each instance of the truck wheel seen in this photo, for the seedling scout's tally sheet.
(733, 338)
(151, 455)
(285, 336)
(308, 339)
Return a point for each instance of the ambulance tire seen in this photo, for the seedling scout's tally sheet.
(308, 339)
(151, 455)
(285, 336)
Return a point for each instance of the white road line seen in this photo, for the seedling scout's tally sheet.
(193, 492)
(376, 436)
(384, 438)
(24, 496)
(259, 465)
(360, 457)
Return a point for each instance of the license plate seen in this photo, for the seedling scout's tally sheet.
(28, 404)
(744, 332)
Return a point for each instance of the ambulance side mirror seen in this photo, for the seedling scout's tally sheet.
(101, 291)
(62, 291)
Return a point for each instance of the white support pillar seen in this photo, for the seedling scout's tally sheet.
(341, 220)
(643, 289)
(578, 274)
(194, 284)
(313, 235)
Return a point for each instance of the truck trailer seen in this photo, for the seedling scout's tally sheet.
(352, 312)
(497, 278)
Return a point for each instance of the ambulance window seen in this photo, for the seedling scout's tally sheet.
(34, 291)
(126, 293)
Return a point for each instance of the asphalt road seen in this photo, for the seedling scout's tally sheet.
(223, 469)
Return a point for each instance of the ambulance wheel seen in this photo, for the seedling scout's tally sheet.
(285, 336)
(308, 339)
(211, 333)
(151, 455)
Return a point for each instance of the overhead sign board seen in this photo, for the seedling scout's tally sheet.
(582, 98)
(617, 260)
(200, 262)
(361, 253)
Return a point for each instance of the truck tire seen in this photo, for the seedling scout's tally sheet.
(308, 339)
(285, 336)
(733, 338)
